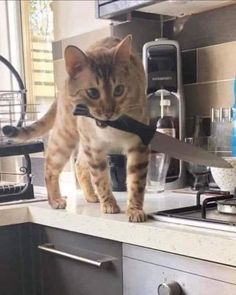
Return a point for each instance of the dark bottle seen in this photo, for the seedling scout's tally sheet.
(166, 124)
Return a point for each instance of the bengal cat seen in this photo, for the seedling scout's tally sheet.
(109, 79)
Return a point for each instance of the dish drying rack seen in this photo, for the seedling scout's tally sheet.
(14, 112)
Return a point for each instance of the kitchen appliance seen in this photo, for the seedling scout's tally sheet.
(153, 272)
(117, 166)
(162, 64)
(181, 8)
(13, 112)
(213, 209)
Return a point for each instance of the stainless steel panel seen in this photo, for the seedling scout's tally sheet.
(144, 278)
(197, 267)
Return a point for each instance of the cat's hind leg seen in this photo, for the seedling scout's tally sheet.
(60, 147)
(98, 167)
(84, 179)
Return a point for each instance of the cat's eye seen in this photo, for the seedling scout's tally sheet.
(119, 90)
(93, 93)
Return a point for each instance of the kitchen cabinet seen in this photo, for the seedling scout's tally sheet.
(154, 272)
(81, 264)
(110, 9)
(15, 260)
(114, 9)
(77, 265)
(67, 263)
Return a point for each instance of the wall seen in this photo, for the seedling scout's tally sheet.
(72, 18)
(208, 43)
(74, 24)
(142, 30)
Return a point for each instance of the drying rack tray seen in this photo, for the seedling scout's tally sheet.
(15, 149)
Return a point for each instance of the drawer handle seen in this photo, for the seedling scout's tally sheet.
(100, 261)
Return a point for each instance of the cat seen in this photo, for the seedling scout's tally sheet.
(109, 79)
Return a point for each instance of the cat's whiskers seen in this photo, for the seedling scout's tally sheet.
(130, 109)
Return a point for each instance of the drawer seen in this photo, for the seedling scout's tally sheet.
(72, 264)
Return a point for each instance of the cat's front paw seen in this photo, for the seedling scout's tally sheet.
(92, 198)
(58, 203)
(110, 207)
(136, 215)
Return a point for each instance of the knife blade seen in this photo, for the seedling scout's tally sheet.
(160, 142)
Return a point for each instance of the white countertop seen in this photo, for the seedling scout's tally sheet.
(208, 244)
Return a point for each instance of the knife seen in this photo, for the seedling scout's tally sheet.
(160, 142)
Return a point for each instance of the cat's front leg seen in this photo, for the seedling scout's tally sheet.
(101, 180)
(137, 164)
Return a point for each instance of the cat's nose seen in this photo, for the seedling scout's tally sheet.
(108, 113)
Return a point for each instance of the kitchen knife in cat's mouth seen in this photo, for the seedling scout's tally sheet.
(161, 142)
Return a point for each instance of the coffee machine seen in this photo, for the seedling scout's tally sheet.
(162, 64)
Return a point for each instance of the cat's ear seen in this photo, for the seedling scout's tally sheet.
(123, 50)
(75, 59)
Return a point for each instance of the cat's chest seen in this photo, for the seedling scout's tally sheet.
(108, 136)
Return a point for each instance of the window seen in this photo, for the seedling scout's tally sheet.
(37, 27)
(37, 31)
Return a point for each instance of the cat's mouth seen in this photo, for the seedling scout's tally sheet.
(82, 110)
(101, 124)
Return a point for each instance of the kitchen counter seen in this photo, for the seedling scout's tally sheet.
(208, 244)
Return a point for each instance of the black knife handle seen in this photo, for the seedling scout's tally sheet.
(124, 123)
(82, 110)
(128, 124)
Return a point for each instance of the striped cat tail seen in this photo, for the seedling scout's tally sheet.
(36, 129)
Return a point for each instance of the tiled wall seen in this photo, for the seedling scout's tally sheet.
(142, 31)
(208, 43)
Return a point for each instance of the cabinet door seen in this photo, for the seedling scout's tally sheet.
(15, 264)
(71, 265)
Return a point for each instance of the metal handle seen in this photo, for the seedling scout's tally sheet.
(172, 288)
(91, 258)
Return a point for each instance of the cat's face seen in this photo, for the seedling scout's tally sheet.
(100, 79)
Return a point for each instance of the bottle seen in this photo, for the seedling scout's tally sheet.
(215, 118)
(165, 124)
(159, 162)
